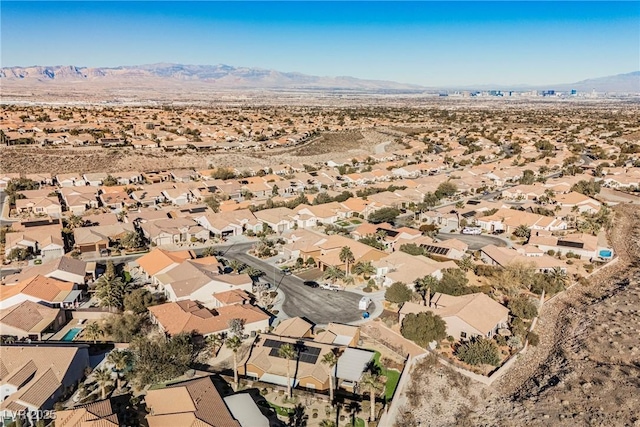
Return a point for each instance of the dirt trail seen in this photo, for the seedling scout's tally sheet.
(586, 370)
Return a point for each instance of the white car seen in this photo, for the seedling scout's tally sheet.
(329, 287)
(468, 230)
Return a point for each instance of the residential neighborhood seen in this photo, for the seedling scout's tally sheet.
(305, 292)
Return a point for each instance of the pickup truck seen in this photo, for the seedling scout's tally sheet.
(329, 287)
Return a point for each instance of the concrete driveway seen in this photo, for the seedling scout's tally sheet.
(318, 305)
(475, 241)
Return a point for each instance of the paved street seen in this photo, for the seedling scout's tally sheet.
(474, 241)
(318, 305)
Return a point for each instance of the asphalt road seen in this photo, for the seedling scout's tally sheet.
(318, 305)
(474, 241)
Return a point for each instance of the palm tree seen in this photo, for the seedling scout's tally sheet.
(253, 272)
(103, 378)
(365, 269)
(214, 342)
(333, 273)
(327, 423)
(466, 263)
(349, 280)
(331, 359)
(119, 359)
(234, 343)
(423, 286)
(347, 257)
(375, 384)
(558, 276)
(110, 291)
(93, 331)
(286, 351)
(236, 265)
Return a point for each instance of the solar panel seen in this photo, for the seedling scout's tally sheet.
(468, 214)
(308, 358)
(272, 343)
(473, 202)
(312, 350)
(274, 352)
(389, 233)
(437, 250)
(578, 245)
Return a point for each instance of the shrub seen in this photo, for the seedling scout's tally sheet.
(367, 289)
(478, 352)
(522, 307)
(533, 338)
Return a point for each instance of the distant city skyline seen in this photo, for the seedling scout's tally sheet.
(425, 43)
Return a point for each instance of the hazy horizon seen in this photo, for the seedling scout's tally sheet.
(424, 43)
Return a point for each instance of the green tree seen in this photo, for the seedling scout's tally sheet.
(588, 188)
(374, 383)
(286, 351)
(423, 328)
(412, 249)
(110, 181)
(93, 331)
(234, 343)
(346, 256)
(522, 231)
(126, 327)
(479, 351)
(138, 300)
(110, 291)
(132, 240)
(522, 307)
(446, 189)
(430, 200)
(528, 177)
(161, 359)
(213, 203)
(453, 282)
(372, 241)
(236, 265)
(333, 273)
(425, 286)
(214, 342)
(398, 293)
(466, 263)
(223, 173)
(103, 378)
(365, 269)
(384, 215)
(120, 359)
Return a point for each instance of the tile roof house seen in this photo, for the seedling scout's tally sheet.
(40, 289)
(402, 267)
(188, 315)
(96, 238)
(46, 205)
(294, 327)
(173, 230)
(326, 251)
(195, 403)
(95, 414)
(30, 320)
(159, 261)
(65, 268)
(32, 378)
(44, 240)
(466, 316)
(584, 245)
(494, 255)
(509, 219)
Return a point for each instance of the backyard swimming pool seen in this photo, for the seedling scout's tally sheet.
(605, 253)
(71, 334)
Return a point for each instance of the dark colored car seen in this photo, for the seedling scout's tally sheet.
(311, 284)
(496, 232)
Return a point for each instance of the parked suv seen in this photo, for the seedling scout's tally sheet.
(469, 230)
(311, 284)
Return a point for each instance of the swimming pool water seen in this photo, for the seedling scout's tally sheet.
(71, 334)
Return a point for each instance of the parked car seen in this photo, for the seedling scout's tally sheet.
(496, 232)
(311, 284)
(471, 230)
(330, 287)
(364, 303)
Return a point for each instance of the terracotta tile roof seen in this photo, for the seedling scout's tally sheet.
(191, 403)
(29, 316)
(233, 296)
(295, 327)
(96, 414)
(187, 316)
(41, 287)
(159, 259)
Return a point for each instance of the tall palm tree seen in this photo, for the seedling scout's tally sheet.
(253, 272)
(333, 273)
(346, 256)
(214, 342)
(331, 359)
(374, 383)
(234, 343)
(93, 331)
(286, 351)
(424, 286)
(103, 378)
(119, 359)
(349, 280)
(110, 291)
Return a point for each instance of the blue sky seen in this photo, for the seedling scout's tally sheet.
(428, 43)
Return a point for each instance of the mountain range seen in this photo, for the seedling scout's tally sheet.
(228, 77)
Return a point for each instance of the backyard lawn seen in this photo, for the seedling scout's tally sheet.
(392, 375)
